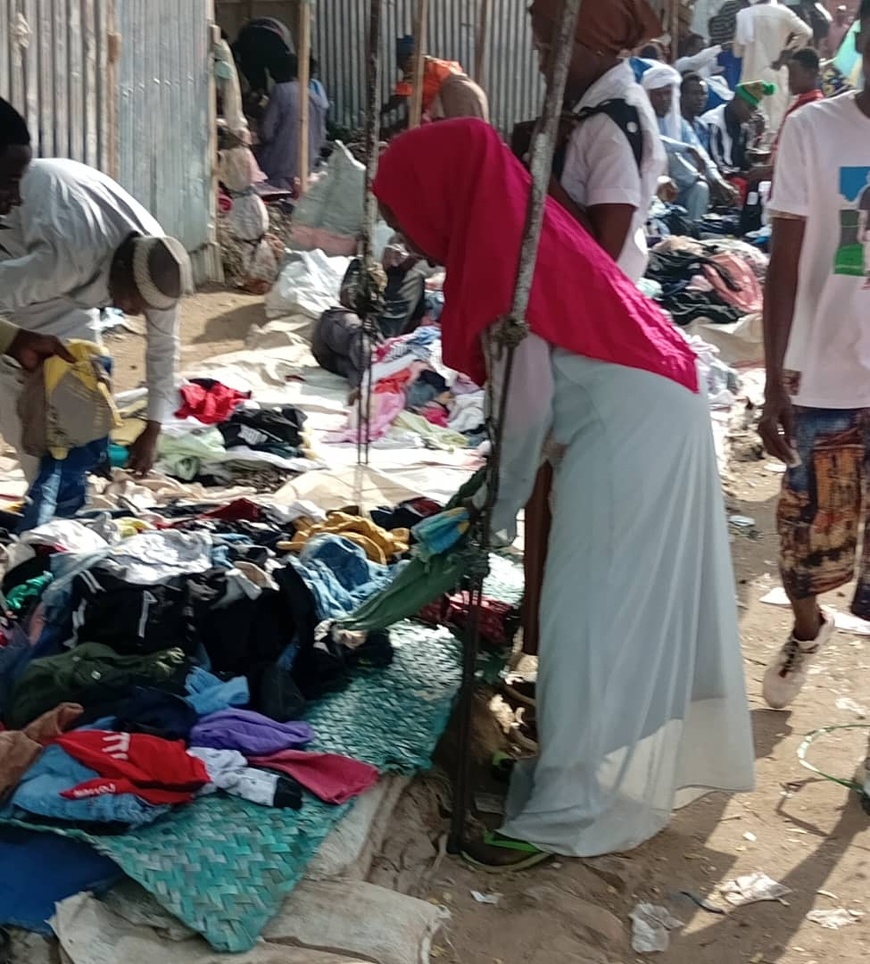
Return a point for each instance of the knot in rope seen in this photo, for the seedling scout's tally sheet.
(362, 290)
(510, 332)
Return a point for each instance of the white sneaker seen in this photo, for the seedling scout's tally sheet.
(787, 674)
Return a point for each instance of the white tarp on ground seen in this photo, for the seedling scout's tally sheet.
(352, 920)
(289, 376)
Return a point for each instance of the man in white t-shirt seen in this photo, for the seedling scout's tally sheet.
(817, 344)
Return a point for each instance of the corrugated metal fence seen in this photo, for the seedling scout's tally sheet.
(137, 106)
(164, 113)
(54, 68)
(511, 77)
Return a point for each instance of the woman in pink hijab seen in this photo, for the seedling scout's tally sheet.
(640, 667)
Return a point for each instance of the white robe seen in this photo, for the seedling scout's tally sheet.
(763, 32)
(641, 696)
(56, 252)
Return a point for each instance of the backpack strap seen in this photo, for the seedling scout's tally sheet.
(626, 118)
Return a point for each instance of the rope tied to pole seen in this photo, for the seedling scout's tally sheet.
(506, 336)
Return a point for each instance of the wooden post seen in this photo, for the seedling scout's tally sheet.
(675, 30)
(421, 18)
(373, 130)
(480, 45)
(304, 96)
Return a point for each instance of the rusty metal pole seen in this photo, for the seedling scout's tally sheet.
(543, 147)
(372, 142)
(421, 20)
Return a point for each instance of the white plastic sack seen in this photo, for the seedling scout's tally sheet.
(309, 283)
(356, 918)
(349, 850)
(248, 220)
(90, 933)
(336, 202)
(238, 168)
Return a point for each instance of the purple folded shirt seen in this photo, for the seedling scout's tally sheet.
(249, 733)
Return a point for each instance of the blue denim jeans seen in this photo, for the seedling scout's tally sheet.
(60, 489)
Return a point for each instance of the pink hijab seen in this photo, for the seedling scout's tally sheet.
(460, 196)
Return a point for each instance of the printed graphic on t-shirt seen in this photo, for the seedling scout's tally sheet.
(853, 253)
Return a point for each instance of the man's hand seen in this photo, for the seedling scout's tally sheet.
(667, 191)
(723, 192)
(30, 349)
(776, 427)
(697, 159)
(144, 450)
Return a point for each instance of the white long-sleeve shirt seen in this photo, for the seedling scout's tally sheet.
(56, 254)
(703, 63)
(762, 34)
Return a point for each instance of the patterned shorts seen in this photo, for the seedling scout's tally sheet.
(822, 512)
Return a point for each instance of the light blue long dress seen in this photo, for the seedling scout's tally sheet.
(641, 701)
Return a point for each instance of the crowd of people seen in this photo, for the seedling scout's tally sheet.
(630, 601)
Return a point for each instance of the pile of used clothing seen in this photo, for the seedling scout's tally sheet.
(220, 435)
(717, 282)
(416, 401)
(148, 661)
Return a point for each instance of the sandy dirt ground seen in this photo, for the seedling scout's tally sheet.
(809, 834)
(804, 832)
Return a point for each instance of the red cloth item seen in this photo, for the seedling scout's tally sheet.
(208, 401)
(499, 621)
(393, 384)
(239, 510)
(330, 777)
(460, 197)
(158, 771)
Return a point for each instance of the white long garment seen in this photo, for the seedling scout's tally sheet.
(763, 31)
(55, 255)
(641, 698)
(600, 167)
(703, 63)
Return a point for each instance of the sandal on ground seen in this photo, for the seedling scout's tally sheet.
(520, 690)
(496, 854)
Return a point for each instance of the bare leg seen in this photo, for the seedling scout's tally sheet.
(808, 619)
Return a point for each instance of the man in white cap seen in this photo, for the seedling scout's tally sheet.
(73, 242)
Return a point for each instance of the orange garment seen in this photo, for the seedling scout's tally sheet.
(435, 72)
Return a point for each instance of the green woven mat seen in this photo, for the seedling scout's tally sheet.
(223, 866)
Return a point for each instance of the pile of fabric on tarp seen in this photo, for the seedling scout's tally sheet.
(221, 436)
(182, 694)
(716, 281)
(416, 401)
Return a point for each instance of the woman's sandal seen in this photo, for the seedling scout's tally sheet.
(493, 855)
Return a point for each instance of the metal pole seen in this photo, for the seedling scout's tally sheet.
(304, 96)
(480, 45)
(373, 118)
(421, 19)
(543, 147)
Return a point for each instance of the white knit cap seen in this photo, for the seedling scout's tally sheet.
(161, 271)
